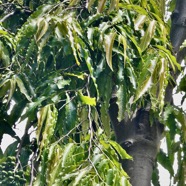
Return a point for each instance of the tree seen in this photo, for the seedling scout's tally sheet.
(64, 65)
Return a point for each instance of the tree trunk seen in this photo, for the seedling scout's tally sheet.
(138, 136)
(141, 140)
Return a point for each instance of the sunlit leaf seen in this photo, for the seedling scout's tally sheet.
(123, 154)
(42, 27)
(101, 5)
(145, 40)
(87, 100)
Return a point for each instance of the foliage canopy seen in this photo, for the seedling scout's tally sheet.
(59, 64)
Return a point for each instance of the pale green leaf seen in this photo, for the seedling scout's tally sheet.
(149, 33)
(139, 21)
(47, 118)
(101, 5)
(61, 83)
(122, 101)
(133, 7)
(42, 27)
(69, 149)
(123, 41)
(108, 42)
(170, 57)
(89, 4)
(113, 5)
(81, 174)
(79, 75)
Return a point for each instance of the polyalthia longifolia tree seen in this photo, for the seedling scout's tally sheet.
(67, 69)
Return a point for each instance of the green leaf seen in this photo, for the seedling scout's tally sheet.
(70, 113)
(82, 173)
(42, 27)
(4, 55)
(146, 80)
(86, 99)
(122, 40)
(12, 89)
(181, 117)
(182, 85)
(105, 119)
(121, 95)
(123, 154)
(145, 40)
(32, 107)
(164, 160)
(22, 88)
(79, 75)
(108, 42)
(68, 151)
(46, 124)
(61, 83)
(110, 177)
(139, 21)
(101, 5)
(170, 57)
(11, 149)
(133, 7)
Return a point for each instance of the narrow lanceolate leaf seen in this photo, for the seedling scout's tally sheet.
(101, 4)
(121, 101)
(108, 42)
(170, 57)
(71, 37)
(123, 154)
(89, 3)
(162, 83)
(41, 120)
(22, 88)
(145, 80)
(4, 55)
(42, 27)
(181, 117)
(87, 100)
(69, 149)
(123, 41)
(105, 119)
(46, 125)
(82, 173)
(12, 89)
(145, 41)
(70, 113)
(139, 21)
(79, 75)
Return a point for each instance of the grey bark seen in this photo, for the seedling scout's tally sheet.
(137, 135)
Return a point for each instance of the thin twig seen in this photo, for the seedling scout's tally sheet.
(7, 16)
(66, 135)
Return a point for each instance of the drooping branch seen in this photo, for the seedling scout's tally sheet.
(138, 136)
